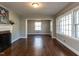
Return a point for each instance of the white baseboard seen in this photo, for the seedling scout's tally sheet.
(53, 37)
(23, 37)
(39, 33)
(17, 39)
(72, 49)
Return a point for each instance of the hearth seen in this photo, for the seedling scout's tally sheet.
(5, 40)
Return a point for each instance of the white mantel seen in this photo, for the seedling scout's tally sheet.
(5, 27)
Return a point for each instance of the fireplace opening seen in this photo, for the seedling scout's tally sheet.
(5, 40)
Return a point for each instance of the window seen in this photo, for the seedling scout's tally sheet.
(68, 24)
(64, 24)
(77, 23)
(38, 26)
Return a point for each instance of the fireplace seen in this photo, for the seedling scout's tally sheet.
(5, 40)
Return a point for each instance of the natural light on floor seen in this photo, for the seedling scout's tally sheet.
(38, 42)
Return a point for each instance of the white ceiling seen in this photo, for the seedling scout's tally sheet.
(25, 8)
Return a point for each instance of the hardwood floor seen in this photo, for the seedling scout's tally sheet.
(35, 46)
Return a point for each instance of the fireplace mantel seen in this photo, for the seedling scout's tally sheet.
(5, 27)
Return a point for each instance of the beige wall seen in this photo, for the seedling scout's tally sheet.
(45, 27)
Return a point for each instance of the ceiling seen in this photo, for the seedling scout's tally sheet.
(25, 8)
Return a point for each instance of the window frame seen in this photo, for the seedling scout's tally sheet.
(38, 26)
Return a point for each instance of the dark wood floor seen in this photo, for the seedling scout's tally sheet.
(35, 46)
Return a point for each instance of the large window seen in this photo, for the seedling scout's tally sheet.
(38, 26)
(64, 24)
(68, 24)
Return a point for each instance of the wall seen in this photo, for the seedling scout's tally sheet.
(67, 8)
(23, 28)
(44, 30)
(14, 28)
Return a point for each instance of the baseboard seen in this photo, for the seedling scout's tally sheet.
(70, 48)
(53, 37)
(17, 39)
(23, 37)
(38, 33)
